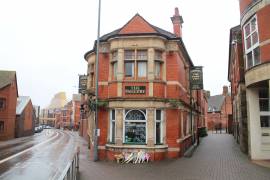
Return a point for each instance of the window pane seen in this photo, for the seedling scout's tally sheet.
(249, 60)
(247, 29)
(135, 115)
(158, 55)
(157, 69)
(142, 55)
(263, 93)
(256, 55)
(115, 69)
(135, 132)
(114, 56)
(113, 114)
(141, 69)
(265, 121)
(2, 126)
(264, 104)
(158, 115)
(129, 55)
(253, 24)
(248, 42)
(113, 132)
(129, 69)
(158, 134)
(254, 38)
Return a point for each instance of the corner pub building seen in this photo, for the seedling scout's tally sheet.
(143, 88)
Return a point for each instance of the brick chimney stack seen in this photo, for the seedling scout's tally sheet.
(177, 21)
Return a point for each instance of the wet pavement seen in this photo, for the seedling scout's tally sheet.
(217, 158)
(43, 156)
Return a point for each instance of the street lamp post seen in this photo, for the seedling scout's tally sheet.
(96, 90)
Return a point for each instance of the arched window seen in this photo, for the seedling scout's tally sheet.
(135, 127)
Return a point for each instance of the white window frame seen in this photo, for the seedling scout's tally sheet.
(111, 122)
(264, 113)
(124, 124)
(253, 46)
(161, 125)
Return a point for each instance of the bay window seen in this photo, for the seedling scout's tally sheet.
(135, 126)
(158, 64)
(252, 50)
(135, 64)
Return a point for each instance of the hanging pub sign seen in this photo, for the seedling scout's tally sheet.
(196, 78)
(82, 84)
(134, 89)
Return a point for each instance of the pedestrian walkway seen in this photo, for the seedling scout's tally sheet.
(218, 157)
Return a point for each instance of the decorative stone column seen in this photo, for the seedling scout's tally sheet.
(119, 126)
(120, 71)
(150, 127)
(151, 73)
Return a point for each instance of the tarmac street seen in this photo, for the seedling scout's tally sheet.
(42, 156)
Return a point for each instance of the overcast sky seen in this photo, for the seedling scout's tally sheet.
(44, 41)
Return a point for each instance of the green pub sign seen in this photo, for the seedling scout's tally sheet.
(196, 78)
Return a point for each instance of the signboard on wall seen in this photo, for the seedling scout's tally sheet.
(134, 89)
(196, 78)
(82, 84)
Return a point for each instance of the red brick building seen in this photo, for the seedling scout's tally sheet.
(220, 111)
(143, 87)
(8, 101)
(249, 57)
(25, 117)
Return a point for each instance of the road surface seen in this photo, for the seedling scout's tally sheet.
(42, 156)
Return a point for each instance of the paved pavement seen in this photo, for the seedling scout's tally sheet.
(218, 157)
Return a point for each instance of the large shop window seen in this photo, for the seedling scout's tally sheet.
(112, 126)
(252, 50)
(135, 62)
(135, 127)
(264, 107)
(158, 127)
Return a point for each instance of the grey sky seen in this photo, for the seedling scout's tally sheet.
(45, 40)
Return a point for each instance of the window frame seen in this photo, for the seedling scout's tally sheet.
(124, 125)
(264, 113)
(253, 46)
(161, 126)
(3, 103)
(135, 59)
(112, 121)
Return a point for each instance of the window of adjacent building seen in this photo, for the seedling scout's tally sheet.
(158, 127)
(112, 126)
(2, 103)
(264, 107)
(2, 126)
(135, 62)
(135, 127)
(252, 49)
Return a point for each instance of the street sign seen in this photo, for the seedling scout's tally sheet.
(196, 78)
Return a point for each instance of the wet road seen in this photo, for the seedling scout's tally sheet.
(42, 156)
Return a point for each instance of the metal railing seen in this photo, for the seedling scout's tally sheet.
(72, 169)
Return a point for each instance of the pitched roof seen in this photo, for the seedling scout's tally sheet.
(137, 25)
(6, 78)
(215, 103)
(22, 102)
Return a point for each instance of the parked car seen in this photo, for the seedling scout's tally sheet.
(38, 129)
